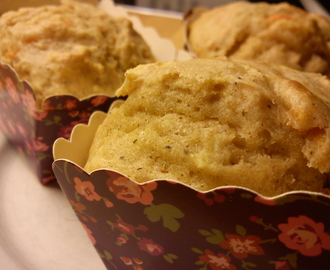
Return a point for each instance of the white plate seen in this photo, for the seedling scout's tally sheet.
(38, 228)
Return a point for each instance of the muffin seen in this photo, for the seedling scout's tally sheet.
(216, 122)
(70, 49)
(274, 33)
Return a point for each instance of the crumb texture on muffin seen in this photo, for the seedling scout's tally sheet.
(73, 48)
(215, 122)
(274, 33)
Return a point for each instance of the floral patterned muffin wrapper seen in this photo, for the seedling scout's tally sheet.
(168, 225)
(34, 131)
(165, 225)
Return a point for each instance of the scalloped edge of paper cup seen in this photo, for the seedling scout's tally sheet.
(72, 149)
(76, 149)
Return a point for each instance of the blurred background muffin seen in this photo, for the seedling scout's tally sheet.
(70, 49)
(274, 33)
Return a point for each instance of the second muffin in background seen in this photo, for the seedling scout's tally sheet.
(70, 49)
(273, 33)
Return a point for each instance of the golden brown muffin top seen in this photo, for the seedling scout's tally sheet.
(212, 122)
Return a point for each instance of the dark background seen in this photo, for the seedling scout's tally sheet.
(325, 3)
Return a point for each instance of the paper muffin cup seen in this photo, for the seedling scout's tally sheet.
(33, 130)
(165, 225)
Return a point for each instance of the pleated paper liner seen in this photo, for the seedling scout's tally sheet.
(165, 225)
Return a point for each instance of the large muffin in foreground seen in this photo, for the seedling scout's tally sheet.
(70, 49)
(274, 33)
(212, 122)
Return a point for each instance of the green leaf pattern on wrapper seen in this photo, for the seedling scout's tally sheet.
(105, 255)
(213, 237)
(168, 213)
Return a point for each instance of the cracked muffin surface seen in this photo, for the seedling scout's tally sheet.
(214, 122)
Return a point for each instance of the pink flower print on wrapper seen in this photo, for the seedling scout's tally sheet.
(40, 115)
(217, 262)
(47, 179)
(121, 240)
(124, 227)
(282, 265)
(149, 246)
(86, 189)
(304, 235)
(126, 260)
(127, 190)
(108, 204)
(73, 114)
(84, 115)
(211, 198)
(241, 247)
(79, 207)
(22, 130)
(40, 146)
(46, 106)
(70, 104)
(99, 100)
(136, 263)
(65, 131)
(89, 234)
(12, 90)
(29, 103)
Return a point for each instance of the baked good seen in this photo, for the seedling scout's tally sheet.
(217, 122)
(274, 33)
(70, 49)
